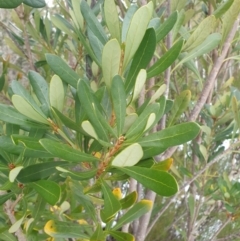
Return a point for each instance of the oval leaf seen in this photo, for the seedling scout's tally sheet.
(129, 156)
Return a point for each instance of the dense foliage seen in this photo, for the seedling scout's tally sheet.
(119, 106)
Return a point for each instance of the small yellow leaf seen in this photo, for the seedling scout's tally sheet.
(50, 227)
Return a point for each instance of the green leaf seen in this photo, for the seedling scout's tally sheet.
(10, 115)
(66, 121)
(127, 20)
(16, 225)
(83, 175)
(48, 190)
(136, 31)
(129, 200)
(166, 27)
(98, 234)
(66, 152)
(223, 8)
(59, 229)
(208, 45)
(180, 104)
(10, 4)
(92, 108)
(92, 22)
(111, 56)
(166, 60)
(61, 69)
(18, 89)
(119, 102)
(229, 18)
(160, 182)
(112, 19)
(139, 125)
(40, 88)
(25, 108)
(129, 156)
(5, 197)
(158, 142)
(121, 236)
(135, 212)
(35, 3)
(56, 93)
(202, 31)
(38, 171)
(111, 204)
(235, 111)
(141, 58)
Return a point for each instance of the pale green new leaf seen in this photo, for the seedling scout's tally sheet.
(14, 173)
(112, 19)
(56, 93)
(202, 31)
(111, 57)
(16, 225)
(208, 45)
(27, 109)
(140, 81)
(88, 128)
(229, 18)
(136, 31)
(129, 156)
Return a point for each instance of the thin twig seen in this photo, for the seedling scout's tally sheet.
(221, 228)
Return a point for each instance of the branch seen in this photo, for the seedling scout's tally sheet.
(221, 228)
(213, 74)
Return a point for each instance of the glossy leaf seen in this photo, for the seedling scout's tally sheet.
(41, 90)
(163, 165)
(202, 31)
(121, 236)
(129, 200)
(111, 56)
(134, 213)
(166, 60)
(66, 152)
(158, 142)
(38, 171)
(119, 102)
(50, 191)
(10, 4)
(111, 204)
(56, 93)
(112, 19)
(61, 69)
(141, 58)
(35, 3)
(166, 26)
(59, 229)
(92, 22)
(136, 31)
(129, 156)
(81, 175)
(27, 109)
(180, 104)
(160, 182)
